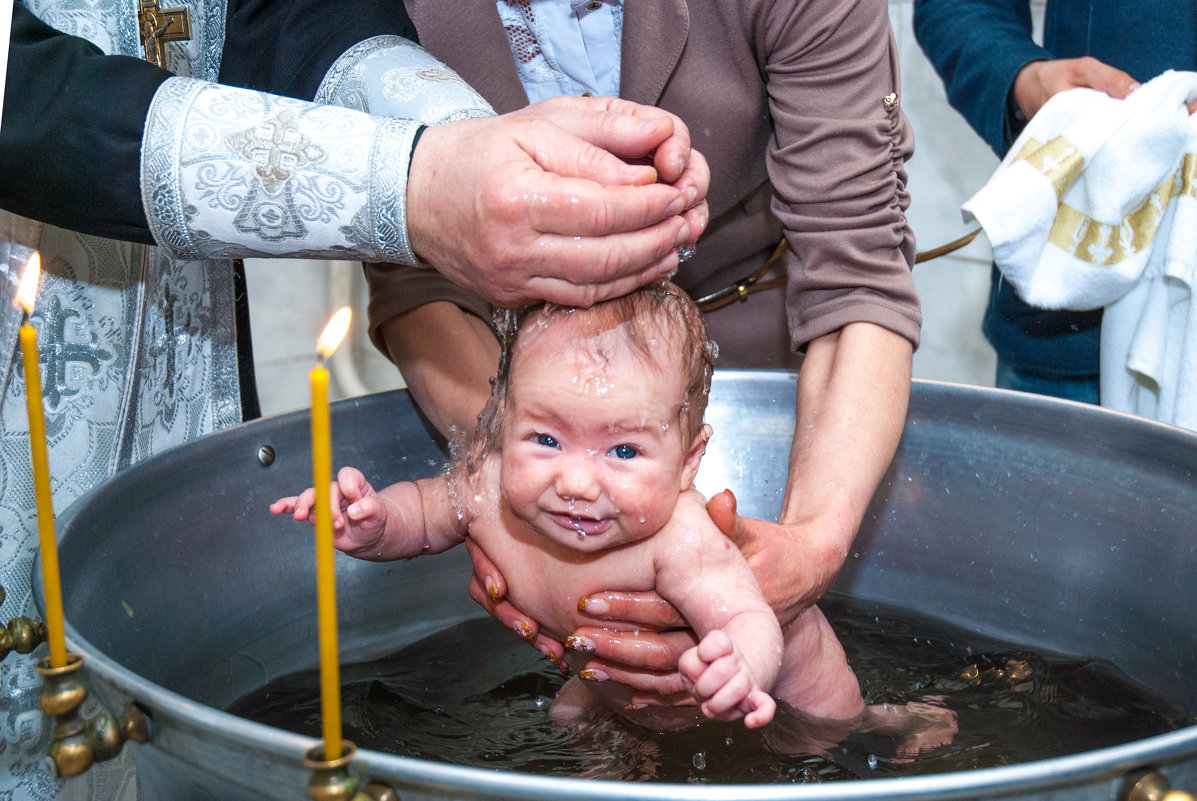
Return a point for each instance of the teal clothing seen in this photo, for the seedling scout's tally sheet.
(978, 47)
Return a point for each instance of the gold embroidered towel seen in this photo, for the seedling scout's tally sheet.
(1096, 206)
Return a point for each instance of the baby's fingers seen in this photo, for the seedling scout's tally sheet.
(763, 709)
(716, 645)
(724, 704)
(302, 507)
(283, 506)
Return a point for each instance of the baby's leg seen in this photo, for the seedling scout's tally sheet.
(817, 681)
(575, 703)
(815, 677)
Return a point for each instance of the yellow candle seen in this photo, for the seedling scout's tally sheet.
(326, 590)
(41, 469)
(45, 507)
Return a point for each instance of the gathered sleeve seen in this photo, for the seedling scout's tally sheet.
(836, 162)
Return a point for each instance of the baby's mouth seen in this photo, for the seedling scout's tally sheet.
(586, 526)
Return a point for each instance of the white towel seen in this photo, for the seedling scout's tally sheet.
(1096, 205)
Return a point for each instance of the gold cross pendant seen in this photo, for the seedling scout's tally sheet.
(159, 26)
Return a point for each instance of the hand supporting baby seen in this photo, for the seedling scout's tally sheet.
(722, 682)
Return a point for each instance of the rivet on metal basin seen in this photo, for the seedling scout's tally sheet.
(1151, 785)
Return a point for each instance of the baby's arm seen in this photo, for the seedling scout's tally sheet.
(736, 662)
(400, 521)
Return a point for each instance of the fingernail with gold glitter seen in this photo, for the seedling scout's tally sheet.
(592, 606)
(591, 674)
(635, 707)
(523, 631)
(557, 661)
(492, 590)
(576, 643)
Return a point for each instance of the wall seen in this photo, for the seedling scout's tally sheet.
(290, 301)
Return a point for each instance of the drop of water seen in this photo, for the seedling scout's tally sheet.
(872, 761)
(699, 761)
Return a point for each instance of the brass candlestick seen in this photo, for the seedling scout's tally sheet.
(77, 742)
(22, 634)
(332, 781)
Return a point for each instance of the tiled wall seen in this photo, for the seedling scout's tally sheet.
(290, 301)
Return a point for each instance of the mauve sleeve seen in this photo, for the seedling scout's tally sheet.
(395, 289)
(836, 162)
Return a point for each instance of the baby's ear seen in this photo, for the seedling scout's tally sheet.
(694, 456)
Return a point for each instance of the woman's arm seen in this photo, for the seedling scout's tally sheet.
(446, 356)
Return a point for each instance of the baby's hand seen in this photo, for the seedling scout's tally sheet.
(721, 682)
(359, 517)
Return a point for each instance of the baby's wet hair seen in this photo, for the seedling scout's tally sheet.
(663, 308)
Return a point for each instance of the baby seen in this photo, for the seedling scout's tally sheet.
(579, 480)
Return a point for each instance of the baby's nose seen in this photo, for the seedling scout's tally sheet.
(577, 480)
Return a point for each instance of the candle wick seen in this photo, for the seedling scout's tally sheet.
(320, 359)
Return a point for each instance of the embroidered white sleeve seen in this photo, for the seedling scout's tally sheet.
(392, 77)
(229, 172)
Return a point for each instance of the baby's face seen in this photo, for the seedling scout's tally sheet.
(593, 452)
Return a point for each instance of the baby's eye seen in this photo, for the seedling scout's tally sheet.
(546, 440)
(624, 452)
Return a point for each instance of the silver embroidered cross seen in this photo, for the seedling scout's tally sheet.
(277, 151)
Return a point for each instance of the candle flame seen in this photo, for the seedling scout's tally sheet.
(27, 290)
(334, 332)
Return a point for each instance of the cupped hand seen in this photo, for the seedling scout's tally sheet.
(520, 209)
(635, 133)
(1039, 81)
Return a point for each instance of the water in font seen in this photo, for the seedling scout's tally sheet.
(474, 695)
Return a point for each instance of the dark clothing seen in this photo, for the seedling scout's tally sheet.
(978, 47)
(66, 97)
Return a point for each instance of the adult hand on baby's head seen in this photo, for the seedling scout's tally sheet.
(535, 205)
(636, 133)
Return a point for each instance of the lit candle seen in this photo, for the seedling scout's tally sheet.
(326, 588)
(26, 295)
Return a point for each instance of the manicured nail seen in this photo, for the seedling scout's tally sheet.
(523, 631)
(635, 707)
(592, 606)
(576, 643)
(591, 674)
(492, 590)
(556, 660)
